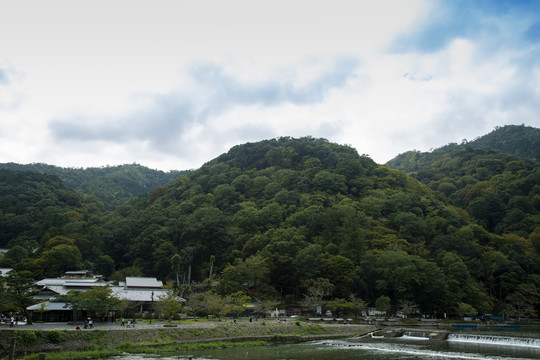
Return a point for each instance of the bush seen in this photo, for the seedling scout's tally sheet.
(54, 336)
(126, 346)
(279, 337)
(29, 336)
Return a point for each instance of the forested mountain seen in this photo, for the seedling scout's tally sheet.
(31, 204)
(500, 190)
(293, 219)
(519, 140)
(112, 185)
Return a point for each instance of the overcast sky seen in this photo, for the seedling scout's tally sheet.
(173, 84)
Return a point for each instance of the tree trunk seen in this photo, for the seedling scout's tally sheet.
(28, 317)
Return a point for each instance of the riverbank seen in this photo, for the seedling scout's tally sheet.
(33, 341)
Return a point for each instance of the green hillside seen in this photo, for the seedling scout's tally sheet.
(31, 204)
(520, 141)
(306, 220)
(112, 185)
(513, 139)
(500, 190)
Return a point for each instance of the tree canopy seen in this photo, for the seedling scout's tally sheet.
(271, 220)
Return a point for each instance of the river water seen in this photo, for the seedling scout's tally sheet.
(458, 346)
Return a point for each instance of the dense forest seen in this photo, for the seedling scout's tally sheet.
(499, 190)
(305, 221)
(112, 185)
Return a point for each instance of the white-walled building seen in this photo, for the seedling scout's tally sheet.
(139, 292)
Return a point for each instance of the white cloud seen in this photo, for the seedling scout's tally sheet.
(172, 84)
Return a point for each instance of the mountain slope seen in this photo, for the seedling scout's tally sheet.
(520, 141)
(282, 215)
(499, 189)
(512, 139)
(30, 204)
(112, 185)
(289, 218)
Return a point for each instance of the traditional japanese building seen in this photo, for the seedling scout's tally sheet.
(139, 292)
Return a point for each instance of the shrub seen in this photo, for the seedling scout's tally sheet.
(126, 346)
(29, 336)
(54, 336)
(278, 337)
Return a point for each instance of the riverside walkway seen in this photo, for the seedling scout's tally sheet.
(101, 326)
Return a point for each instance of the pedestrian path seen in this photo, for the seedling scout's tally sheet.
(66, 326)
(98, 326)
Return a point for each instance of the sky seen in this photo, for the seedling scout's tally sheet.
(174, 84)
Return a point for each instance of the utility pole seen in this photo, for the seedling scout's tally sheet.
(152, 308)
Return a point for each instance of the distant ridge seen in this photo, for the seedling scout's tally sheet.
(113, 185)
(494, 178)
(519, 140)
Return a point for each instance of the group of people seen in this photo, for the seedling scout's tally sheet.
(130, 323)
(89, 324)
(12, 319)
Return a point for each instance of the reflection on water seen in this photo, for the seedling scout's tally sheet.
(458, 347)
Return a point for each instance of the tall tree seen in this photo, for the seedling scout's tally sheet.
(383, 303)
(212, 260)
(176, 265)
(20, 289)
(187, 256)
(98, 300)
(170, 304)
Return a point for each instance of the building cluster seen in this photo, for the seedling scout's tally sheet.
(139, 293)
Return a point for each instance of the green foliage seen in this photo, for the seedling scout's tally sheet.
(290, 221)
(494, 177)
(29, 336)
(70, 355)
(110, 185)
(60, 259)
(513, 139)
(465, 309)
(31, 203)
(98, 300)
(55, 336)
(208, 303)
(278, 337)
(20, 291)
(383, 303)
(250, 275)
(170, 304)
